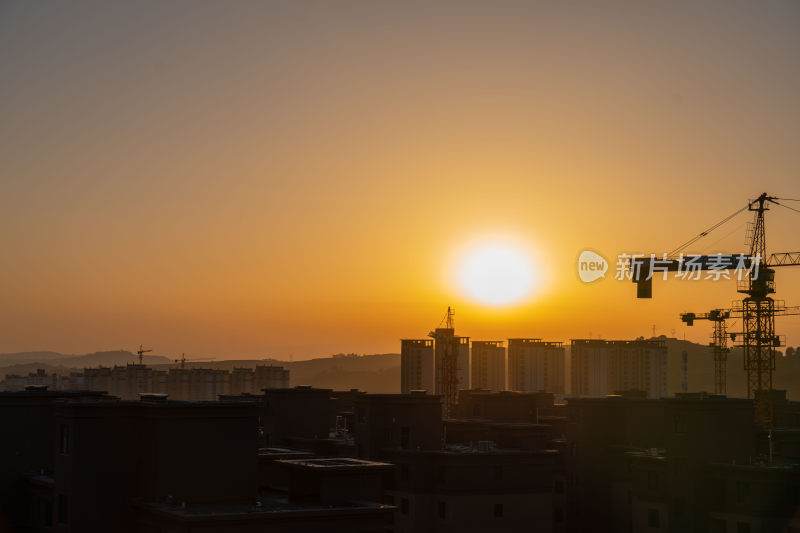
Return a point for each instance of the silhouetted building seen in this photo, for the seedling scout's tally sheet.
(28, 439)
(97, 378)
(242, 381)
(488, 365)
(110, 454)
(397, 421)
(601, 367)
(335, 481)
(461, 489)
(535, 365)
(642, 464)
(506, 435)
(270, 377)
(297, 492)
(416, 365)
(754, 497)
(505, 406)
(130, 380)
(300, 412)
(40, 378)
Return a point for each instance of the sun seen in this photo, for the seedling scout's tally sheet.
(497, 273)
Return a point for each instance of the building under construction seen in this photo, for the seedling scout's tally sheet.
(601, 367)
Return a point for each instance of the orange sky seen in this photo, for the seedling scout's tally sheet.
(253, 179)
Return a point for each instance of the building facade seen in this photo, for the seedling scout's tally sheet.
(535, 365)
(601, 367)
(416, 365)
(488, 365)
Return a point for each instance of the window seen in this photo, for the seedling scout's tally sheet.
(742, 491)
(63, 439)
(498, 472)
(404, 437)
(404, 505)
(442, 510)
(718, 525)
(558, 515)
(48, 513)
(742, 527)
(63, 509)
(498, 510)
(680, 423)
(558, 486)
(681, 466)
(404, 472)
(652, 481)
(440, 474)
(653, 518)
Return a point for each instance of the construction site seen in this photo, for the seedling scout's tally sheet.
(693, 460)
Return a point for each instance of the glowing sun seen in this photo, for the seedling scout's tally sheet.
(497, 273)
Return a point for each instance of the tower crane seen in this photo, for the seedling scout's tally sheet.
(183, 360)
(757, 309)
(719, 343)
(447, 362)
(141, 351)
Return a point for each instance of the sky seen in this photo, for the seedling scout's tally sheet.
(295, 179)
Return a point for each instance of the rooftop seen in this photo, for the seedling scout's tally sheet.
(334, 463)
(271, 505)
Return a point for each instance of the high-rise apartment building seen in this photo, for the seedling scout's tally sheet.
(416, 365)
(601, 367)
(488, 365)
(535, 365)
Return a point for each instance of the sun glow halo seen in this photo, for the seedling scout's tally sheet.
(497, 273)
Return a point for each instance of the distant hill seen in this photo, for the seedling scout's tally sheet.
(378, 373)
(71, 361)
(7, 359)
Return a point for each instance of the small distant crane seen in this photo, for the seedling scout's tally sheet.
(719, 343)
(141, 351)
(183, 360)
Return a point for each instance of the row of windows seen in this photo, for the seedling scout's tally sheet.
(498, 510)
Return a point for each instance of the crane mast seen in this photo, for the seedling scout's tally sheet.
(719, 344)
(758, 337)
(446, 348)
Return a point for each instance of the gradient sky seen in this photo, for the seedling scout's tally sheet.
(253, 179)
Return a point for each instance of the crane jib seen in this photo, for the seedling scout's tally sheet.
(644, 268)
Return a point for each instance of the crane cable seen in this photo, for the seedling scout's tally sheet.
(706, 232)
(786, 206)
